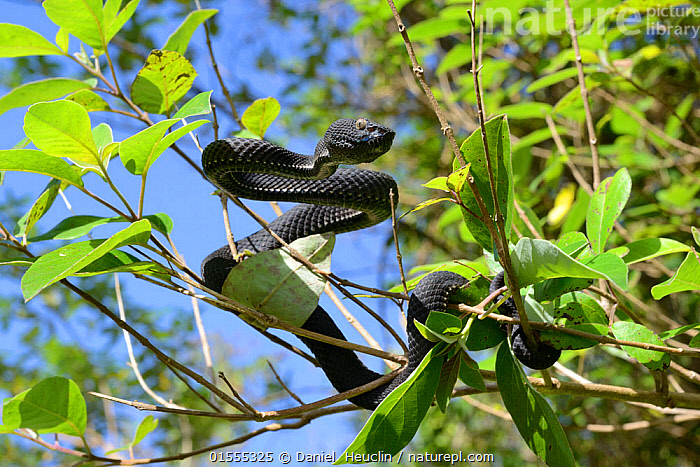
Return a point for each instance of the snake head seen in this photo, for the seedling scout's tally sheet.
(354, 141)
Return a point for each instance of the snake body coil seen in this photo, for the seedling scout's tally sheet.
(341, 200)
(538, 358)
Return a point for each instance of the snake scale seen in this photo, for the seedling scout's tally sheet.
(334, 200)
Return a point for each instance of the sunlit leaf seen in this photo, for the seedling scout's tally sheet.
(54, 405)
(39, 91)
(260, 115)
(63, 262)
(164, 79)
(605, 207)
(273, 282)
(652, 359)
(180, 39)
(18, 41)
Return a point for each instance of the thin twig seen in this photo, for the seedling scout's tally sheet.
(395, 230)
(592, 138)
(284, 386)
(420, 75)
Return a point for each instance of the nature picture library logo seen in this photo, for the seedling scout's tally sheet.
(630, 18)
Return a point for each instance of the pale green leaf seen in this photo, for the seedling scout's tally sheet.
(54, 405)
(687, 277)
(180, 38)
(74, 227)
(273, 282)
(28, 160)
(648, 248)
(39, 208)
(18, 41)
(164, 79)
(652, 359)
(89, 100)
(437, 183)
(260, 115)
(62, 129)
(198, 105)
(39, 91)
(136, 151)
(67, 260)
(606, 205)
(114, 26)
(146, 426)
(63, 39)
(82, 18)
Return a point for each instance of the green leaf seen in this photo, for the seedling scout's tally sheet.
(136, 151)
(67, 260)
(498, 138)
(606, 205)
(146, 426)
(121, 19)
(459, 55)
(437, 183)
(532, 415)
(556, 77)
(576, 311)
(273, 282)
(433, 336)
(484, 334)
(686, 278)
(180, 39)
(74, 227)
(18, 41)
(395, 422)
(19, 262)
(39, 91)
(443, 323)
(119, 261)
(198, 105)
(526, 110)
(259, 116)
(39, 208)
(457, 179)
(448, 378)
(171, 137)
(696, 235)
(29, 160)
(89, 100)
(164, 79)
(82, 18)
(648, 248)
(611, 265)
(652, 359)
(469, 372)
(62, 129)
(535, 260)
(671, 333)
(63, 39)
(54, 405)
(424, 204)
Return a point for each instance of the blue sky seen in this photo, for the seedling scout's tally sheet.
(176, 189)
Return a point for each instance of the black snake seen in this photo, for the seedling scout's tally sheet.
(337, 200)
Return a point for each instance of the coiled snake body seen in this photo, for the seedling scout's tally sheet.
(341, 200)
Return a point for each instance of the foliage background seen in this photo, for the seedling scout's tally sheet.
(324, 60)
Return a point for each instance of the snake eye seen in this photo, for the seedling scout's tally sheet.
(361, 123)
